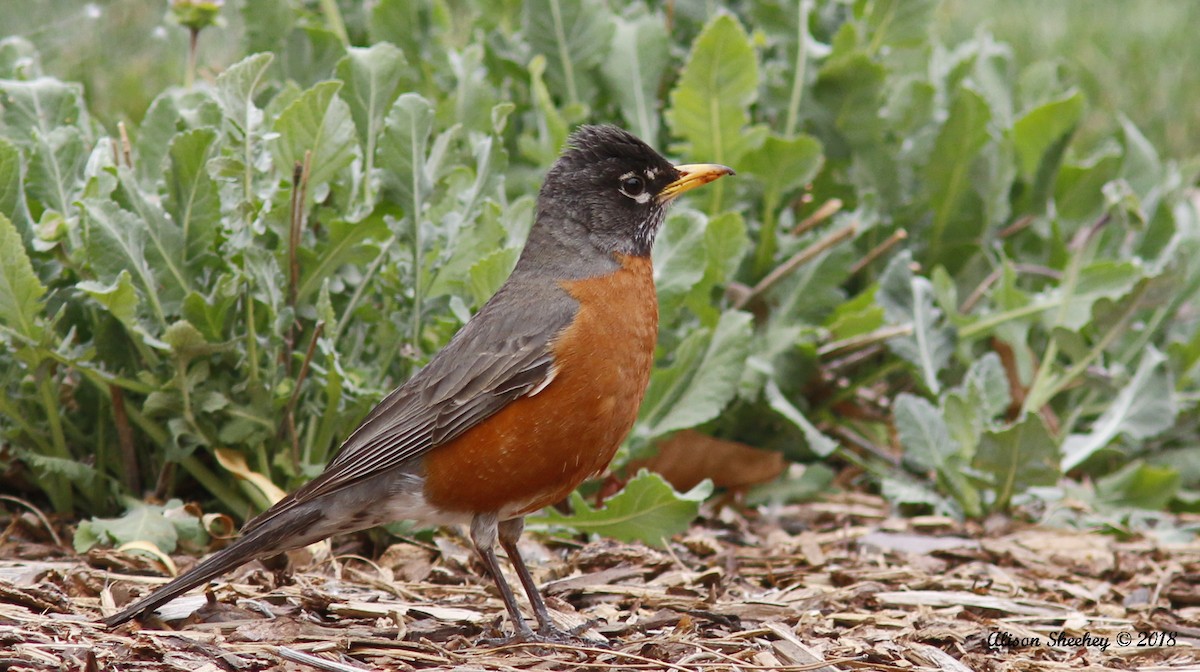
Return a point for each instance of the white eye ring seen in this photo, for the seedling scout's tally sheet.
(634, 186)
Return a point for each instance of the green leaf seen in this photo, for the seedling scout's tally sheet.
(907, 300)
(20, 289)
(783, 165)
(898, 23)
(679, 259)
(634, 70)
(192, 197)
(573, 35)
(12, 198)
(1018, 458)
(115, 241)
(119, 297)
(317, 121)
(163, 526)
(37, 107)
(235, 91)
(710, 104)
(1139, 485)
(702, 380)
(647, 510)
(957, 222)
(403, 151)
(818, 442)
(1104, 279)
(1142, 409)
(927, 445)
(1039, 129)
(343, 245)
(490, 272)
(373, 76)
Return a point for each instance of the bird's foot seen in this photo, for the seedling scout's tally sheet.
(549, 635)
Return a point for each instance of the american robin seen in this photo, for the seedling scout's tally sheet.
(532, 396)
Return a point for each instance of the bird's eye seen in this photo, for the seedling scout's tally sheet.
(633, 185)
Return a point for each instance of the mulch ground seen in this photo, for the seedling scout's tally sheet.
(837, 585)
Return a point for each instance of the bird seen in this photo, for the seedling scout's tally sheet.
(533, 395)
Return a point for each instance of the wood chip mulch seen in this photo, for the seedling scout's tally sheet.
(837, 585)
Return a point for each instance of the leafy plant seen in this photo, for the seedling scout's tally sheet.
(918, 269)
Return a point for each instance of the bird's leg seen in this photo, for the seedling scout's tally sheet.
(510, 533)
(483, 535)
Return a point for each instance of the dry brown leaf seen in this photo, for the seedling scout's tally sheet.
(689, 457)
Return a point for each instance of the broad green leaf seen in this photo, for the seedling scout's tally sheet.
(634, 70)
(317, 121)
(343, 245)
(1139, 485)
(907, 300)
(162, 526)
(268, 23)
(44, 115)
(973, 406)
(679, 259)
(20, 289)
(1042, 127)
(710, 104)
(725, 243)
(56, 165)
(573, 35)
(647, 510)
(927, 446)
(37, 107)
(957, 222)
(703, 378)
(490, 272)
(119, 297)
(1103, 279)
(192, 197)
(783, 165)
(855, 317)
(551, 126)
(12, 198)
(1142, 409)
(923, 433)
(897, 23)
(403, 152)
(373, 76)
(1142, 167)
(19, 59)
(1018, 458)
(403, 23)
(235, 90)
(818, 442)
(848, 91)
(115, 241)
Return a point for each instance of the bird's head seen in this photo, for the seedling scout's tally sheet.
(617, 188)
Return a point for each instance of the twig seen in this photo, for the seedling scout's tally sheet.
(878, 251)
(126, 146)
(39, 515)
(828, 209)
(316, 661)
(130, 475)
(797, 260)
(861, 341)
(978, 293)
(289, 412)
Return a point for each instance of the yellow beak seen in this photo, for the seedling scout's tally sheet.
(692, 175)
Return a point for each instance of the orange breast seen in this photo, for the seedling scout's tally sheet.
(538, 449)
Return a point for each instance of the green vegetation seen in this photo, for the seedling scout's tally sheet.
(919, 271)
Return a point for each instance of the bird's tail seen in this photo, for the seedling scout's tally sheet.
(279, 535)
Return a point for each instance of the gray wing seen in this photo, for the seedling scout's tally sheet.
(503, 353)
